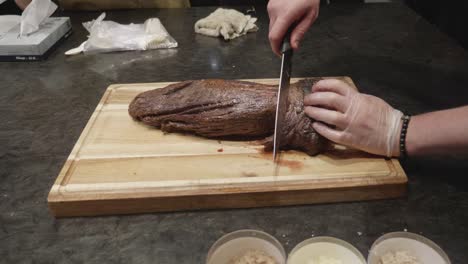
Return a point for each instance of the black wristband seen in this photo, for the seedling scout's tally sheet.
(404, 129)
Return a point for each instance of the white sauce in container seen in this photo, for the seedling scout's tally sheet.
(325, 250)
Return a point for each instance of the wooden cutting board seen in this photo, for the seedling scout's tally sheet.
(120, 166)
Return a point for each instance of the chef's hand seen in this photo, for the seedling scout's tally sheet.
(283, 13)
(22, 3)
(354, 119)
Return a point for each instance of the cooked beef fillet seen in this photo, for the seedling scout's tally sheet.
(229, 109)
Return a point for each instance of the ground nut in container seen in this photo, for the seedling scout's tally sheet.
(245, 247)
(398, 247)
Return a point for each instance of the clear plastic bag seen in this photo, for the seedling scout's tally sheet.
(108, 36)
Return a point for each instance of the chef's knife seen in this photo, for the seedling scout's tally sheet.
(283, 92)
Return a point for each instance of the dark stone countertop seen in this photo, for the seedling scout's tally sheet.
(387, 49)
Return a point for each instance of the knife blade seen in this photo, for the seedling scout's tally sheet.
(283, 92)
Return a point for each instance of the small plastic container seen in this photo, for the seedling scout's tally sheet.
(236, 244)
(423, 249)
(325, 248)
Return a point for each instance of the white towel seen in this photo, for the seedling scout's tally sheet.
(228, 23)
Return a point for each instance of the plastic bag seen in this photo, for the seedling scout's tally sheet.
(108, 36)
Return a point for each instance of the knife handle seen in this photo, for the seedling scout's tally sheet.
(286, 45)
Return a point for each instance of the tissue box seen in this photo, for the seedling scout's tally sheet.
(36, 46)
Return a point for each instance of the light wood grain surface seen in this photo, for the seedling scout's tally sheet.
(120, 166)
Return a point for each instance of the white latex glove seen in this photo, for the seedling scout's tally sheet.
(283, 13)
(354, 119)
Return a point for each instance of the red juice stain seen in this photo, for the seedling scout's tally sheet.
(220, 150)
(294, 165)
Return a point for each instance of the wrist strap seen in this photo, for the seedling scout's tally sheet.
(404, 129)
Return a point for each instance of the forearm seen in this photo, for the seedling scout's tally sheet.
(438, 133)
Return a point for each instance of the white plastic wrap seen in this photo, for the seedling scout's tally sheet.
(108, 36)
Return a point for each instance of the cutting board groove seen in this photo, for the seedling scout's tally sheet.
(119, 166)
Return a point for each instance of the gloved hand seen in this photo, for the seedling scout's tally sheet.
(283, 13)
(354, 119)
